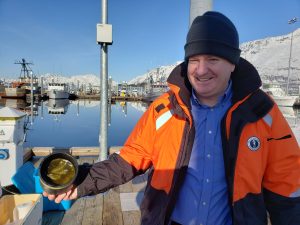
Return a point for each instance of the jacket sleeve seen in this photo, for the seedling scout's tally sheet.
(133, 159)
(282, 175)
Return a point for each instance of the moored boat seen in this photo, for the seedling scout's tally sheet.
(57, 90)
(10, 92)
(279, 95)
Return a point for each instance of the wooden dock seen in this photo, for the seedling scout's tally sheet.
(119, 205)
(126, 98)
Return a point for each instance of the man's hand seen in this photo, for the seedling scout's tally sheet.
(68, 195)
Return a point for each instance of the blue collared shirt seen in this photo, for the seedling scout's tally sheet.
(203, 198)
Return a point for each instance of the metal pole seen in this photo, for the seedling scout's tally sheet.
(31, 96)
(288, 78)
(291, 21)
(103, 117)
(199, 7)
(42, 86)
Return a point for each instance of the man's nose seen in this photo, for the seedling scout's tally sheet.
(202, 67)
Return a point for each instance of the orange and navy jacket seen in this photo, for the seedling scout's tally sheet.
(261, 154)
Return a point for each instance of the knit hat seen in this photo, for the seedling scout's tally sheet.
(213, 34)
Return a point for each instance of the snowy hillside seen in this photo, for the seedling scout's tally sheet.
(159, 74)
(82, 79)
(271, 55)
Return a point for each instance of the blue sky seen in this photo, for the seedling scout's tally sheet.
(59, 36)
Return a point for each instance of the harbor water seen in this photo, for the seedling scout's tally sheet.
(79, 124)
(65, 123)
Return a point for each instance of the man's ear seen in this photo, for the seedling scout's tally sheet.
(233, 68)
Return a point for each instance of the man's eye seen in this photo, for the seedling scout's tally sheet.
(193, 61)
(213, 60)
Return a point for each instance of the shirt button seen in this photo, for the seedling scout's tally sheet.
(208, 155)
(211, 109)
(203, 203)
(209, 132)
(207, 180)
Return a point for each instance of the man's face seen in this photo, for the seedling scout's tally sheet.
(209, 76)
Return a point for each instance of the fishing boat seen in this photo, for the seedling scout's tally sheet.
(27, 80)
(58, 90)
(154, 89)
(279, 95)
(12, 92)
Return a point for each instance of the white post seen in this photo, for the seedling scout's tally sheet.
(11, 143)
(199, 7)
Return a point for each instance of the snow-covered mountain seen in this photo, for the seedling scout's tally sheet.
(159, 74)
(269, 55)
(82, 79)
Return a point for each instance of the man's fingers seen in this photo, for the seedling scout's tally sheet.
(69, 195)
(60, 197)
(51, 197)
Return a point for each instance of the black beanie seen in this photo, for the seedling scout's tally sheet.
(213, 34)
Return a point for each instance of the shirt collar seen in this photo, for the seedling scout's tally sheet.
(227, 95)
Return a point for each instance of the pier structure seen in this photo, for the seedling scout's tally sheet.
(120, 205)
(11, 142)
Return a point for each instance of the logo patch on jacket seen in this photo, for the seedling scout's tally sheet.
(253, 143)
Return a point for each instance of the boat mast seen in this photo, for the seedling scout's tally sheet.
(25, 71)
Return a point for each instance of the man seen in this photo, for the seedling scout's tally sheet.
(217, 148)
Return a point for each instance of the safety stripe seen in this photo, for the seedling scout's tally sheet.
(268, 119)
(295, 194)
(163, 119)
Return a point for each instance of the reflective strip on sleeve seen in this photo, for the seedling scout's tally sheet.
(295, 194)
(163, 119)
(268, 119)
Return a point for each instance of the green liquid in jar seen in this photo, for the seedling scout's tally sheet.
(61, 171)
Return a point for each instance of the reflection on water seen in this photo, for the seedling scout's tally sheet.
(57, 107)
(65, 123)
